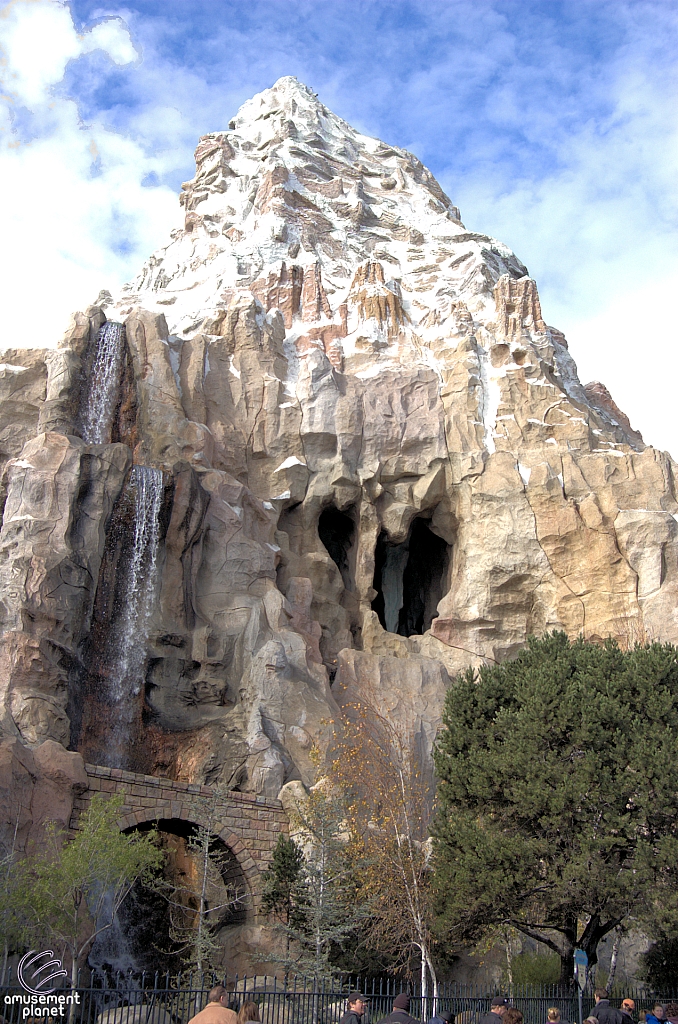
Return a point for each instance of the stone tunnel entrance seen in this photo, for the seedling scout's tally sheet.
(409, 579)
(156, 920)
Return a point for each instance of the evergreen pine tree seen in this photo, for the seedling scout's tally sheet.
(558, 795)
(283, 894)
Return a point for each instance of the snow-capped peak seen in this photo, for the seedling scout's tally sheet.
(353, 241)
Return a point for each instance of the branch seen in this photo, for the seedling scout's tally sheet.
(527, 930)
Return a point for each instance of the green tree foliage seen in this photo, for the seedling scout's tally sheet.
(72, 888)
(283, 892)
(659, 966)
(322, 909)
(536, 969)
(558, 795)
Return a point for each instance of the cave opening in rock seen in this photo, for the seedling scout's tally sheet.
(336, 530)
(409, 579)
(155, 920)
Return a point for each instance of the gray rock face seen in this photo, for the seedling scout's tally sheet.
(378, 467)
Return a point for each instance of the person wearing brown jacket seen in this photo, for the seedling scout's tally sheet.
(217, 1010)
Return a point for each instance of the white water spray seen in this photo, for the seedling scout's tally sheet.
(135, 598)
(102, 398)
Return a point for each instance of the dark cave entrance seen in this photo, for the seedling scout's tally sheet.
(151, 920)
(336, 530)
(409, 579)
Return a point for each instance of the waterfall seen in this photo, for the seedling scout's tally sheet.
(102, 398)
(135, 596)
(111, 954)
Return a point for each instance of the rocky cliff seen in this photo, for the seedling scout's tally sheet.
(369, 463)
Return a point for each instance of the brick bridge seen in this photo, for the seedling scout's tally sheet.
(249, 826)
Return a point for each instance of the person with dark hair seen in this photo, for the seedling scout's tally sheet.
(655, 1015)
(248, 1011)
(217, 1010)
(442, 1017)
(604, 1013)
(401, 1011)
(512, 1016)
(357, 1003)
(498, 1008)
(671, 1013)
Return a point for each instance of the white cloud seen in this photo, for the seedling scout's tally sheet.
(598, 232)
(79, 218)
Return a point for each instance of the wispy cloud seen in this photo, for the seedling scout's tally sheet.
(550, 122)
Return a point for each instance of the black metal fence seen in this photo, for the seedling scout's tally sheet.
(172, 999)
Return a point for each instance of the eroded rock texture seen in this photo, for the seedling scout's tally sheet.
(378, 466)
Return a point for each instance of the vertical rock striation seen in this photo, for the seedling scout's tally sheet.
(379, 466)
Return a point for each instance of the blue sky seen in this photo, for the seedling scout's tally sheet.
(552, 125)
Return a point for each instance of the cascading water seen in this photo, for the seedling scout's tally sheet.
(134, 600)
(107, 706)
(119, 673)
(102, 398)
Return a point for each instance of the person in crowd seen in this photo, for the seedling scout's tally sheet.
(671, 1013)
(442, 1017)
(554, 1016)
(498, 1008)
(357, 1004)
(655, 1015)
(591, 1020)
(628, 1008)
(512, 1016)
(604, 1013)
(249, 1011)
(217, 1010)
(401, 1011)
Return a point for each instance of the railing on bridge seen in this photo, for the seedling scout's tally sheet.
(174, 999)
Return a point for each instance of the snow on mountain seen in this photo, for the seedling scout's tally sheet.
(357, 245)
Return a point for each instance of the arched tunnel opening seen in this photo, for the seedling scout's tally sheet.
(409, 579)
(156, 919)
(337, 530)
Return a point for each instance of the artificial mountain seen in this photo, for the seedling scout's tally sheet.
(368, 464)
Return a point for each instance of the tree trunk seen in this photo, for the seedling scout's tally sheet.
(424, 984)
(613, 958)
(567, 967)
(509, 960)
(74, 984)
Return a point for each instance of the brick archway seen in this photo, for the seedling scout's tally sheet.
(251, 872)
(248, 825)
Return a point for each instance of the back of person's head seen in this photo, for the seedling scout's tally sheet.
(601, 993)
(402, 1002)
(671, 1009)
(247, 1012)
(216, 994)
(553, 1013)
(512, 1016)
(591, 1020)
(447, 1016)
